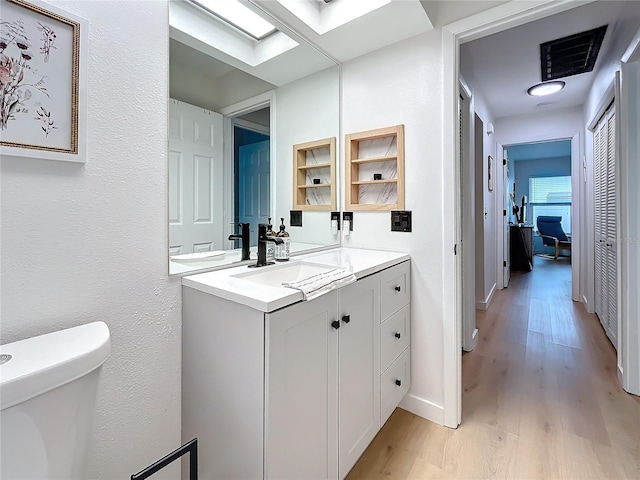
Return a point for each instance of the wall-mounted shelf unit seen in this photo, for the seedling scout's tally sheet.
(375, 169)
(314, 162)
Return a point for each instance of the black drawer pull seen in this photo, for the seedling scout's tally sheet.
(399, 382)
(397, 288)
(346, 318)
(335, 324)
(398, 335)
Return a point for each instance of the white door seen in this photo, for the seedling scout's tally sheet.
(359, 369)
(254, 186)
(599, 139)
(506, 209)
(611, 231)
(195, 179)
(301, 428)
(606, 252)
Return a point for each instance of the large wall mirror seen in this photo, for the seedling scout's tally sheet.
(239, 102)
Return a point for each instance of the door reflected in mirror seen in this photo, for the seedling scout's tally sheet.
(231, 138)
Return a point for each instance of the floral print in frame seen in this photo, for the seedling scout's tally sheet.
(39, 79)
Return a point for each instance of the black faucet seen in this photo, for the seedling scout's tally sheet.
(262, 245)
(244, 238)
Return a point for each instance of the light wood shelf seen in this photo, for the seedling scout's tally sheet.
(314, 167)
(302, 182)
(315, 185)
(388, 158)
(359, 155)
(374, 182)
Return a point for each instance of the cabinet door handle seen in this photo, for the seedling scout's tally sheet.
(398, 382)
(346, 318)
(335, 324)
(397, 288)
(398, 335)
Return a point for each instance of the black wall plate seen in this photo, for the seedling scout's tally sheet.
(295, 218)
(401, 221)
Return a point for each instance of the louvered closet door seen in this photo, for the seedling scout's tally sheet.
(605, 191)
(599, 239)
(611, 232)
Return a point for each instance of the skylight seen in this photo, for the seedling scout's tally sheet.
(239, 16)
(323, 16)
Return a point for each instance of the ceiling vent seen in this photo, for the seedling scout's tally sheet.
(571, 55)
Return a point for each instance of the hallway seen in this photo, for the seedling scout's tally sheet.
(541, 399)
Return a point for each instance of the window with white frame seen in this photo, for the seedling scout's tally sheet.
(551, 196)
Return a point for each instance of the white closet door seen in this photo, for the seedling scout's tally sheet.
(605, 197)
(599, 239)
(611, 232)
(195, 179)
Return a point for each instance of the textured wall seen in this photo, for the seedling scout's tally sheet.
(402, 84)
(89, 242)
(306, 110)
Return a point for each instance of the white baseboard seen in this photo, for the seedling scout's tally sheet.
(423, 408)
(485, 305)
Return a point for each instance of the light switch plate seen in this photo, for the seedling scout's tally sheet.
(401, 221)
(348, 216)
(295, 218)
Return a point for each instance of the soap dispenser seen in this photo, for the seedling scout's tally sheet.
(282, 249)
(271, 246)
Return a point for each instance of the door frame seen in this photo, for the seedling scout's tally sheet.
(492, 21)
(258, 102)
(628, 115)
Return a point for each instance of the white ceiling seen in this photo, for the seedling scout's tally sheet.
(506, 64)
(444, 12)
(390, 23)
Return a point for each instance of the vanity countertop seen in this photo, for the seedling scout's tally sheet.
(226, 284)
(229, 257)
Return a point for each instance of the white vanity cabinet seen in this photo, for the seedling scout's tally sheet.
(302, 389)
(395, 337)
(358, 369)
(323, 382)
(297, 392)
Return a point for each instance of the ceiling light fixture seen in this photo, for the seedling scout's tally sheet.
(238, 15)
(546, 88)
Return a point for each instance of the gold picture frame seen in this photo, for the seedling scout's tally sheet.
(42, 80)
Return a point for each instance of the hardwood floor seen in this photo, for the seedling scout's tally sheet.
(541, 399)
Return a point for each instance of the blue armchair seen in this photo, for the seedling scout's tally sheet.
(552, 233)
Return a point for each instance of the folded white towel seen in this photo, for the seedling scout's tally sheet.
(322, 283)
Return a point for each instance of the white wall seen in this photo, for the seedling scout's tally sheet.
(237, 86)
(196, 88)
(486, 265)
(89, 242)
(629, 221)
(490, 199)
(549, 125)
(402, 84)
(306, 110)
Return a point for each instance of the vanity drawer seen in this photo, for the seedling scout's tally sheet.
(394, 384)
(395, 289)
(395, 334)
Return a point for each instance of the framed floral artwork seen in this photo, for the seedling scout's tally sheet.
(42, 82)
(490, 173)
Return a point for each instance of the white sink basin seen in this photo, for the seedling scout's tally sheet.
(275, 275)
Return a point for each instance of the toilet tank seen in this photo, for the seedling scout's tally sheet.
(48, 388)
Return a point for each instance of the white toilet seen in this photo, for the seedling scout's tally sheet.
(48, 388)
